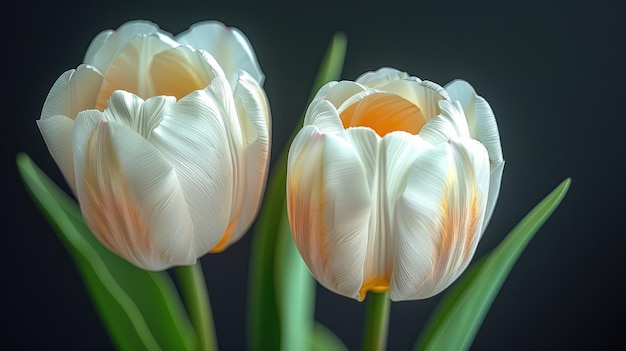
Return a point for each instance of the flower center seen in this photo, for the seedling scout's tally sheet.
(149, 67)
(384, 113)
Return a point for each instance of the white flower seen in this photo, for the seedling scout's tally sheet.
(164, 140)
(391, 183)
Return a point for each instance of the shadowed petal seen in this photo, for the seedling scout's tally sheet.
(57, 134)
(255, 119)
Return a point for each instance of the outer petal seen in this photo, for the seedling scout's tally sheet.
(57, 134)
(480, 118)
(255, 118)
(193, 138)
(324, 116)
(228, 45)
(386, 161)
(73, 91)
(439, 218)
(381, 77)
(107, 44)
(483, 127)
(328, 203)
(130, 196)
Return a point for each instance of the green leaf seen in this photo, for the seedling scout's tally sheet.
(141, 310)
(458, 317)
(324, 339)
(295, 292)
(264, 320)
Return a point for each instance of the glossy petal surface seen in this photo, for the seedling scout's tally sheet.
(391, 183)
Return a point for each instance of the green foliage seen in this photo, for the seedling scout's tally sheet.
(141, 310)
(272, 248)
(460, 314)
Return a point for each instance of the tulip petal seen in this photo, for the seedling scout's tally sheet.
(324, 116)
(480, 119)
(192, 137)
(329, 204)
(424, 94)
(179, 71)
(387, 162)
(439, 218)
(107, 44)
(483, 127)
(495, 180)
(220, 91)
(254, 115)
(438, 130)
(338, 92)
(449, 124)
(140, 116)
(228, 45)
(397, 155)
(57, 100)
(365, 142)
(130, 196)
(130, 69)
(57, 134)
(381, 77)
(74, 91)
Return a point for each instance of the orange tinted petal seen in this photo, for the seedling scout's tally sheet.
(384, 113)
(223, 243)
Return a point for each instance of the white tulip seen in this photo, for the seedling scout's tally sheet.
(164, 140)
(391, 183)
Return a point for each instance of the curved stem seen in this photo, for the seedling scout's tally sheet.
(195, 294)
(376, 322)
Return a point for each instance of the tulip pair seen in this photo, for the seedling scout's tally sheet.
(165, 142)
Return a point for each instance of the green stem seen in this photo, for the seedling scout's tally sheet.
(196, 296)
(376, 322)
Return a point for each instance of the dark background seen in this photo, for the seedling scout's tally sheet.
(553, 74)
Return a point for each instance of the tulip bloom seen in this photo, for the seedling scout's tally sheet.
(391, 183)
(163, 140)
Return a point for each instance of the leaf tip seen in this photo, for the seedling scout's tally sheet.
(21, 158)
(340, 38)
(563, 187)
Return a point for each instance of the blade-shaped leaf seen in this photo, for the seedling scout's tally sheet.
(141, 310)
(324, 339)
(264, 320)
(458, 317)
